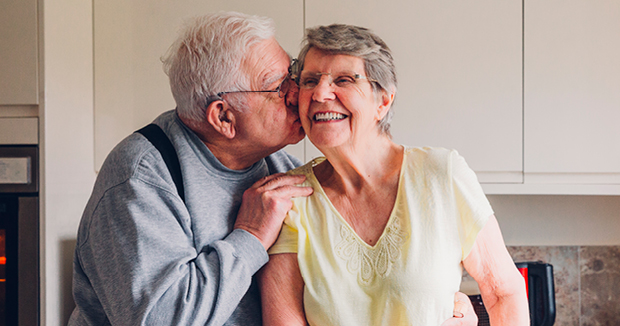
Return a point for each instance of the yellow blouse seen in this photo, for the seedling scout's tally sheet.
(410, 275)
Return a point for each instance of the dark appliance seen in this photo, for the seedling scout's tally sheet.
(19, 236)
(540, 293)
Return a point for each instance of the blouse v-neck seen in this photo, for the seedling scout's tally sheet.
(346, 224)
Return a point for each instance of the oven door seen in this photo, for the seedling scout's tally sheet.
(19, 260)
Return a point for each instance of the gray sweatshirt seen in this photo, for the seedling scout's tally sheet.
(143, 257)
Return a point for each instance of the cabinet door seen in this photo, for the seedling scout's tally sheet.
(572, 91)
(18, 52)
(131, 88)
(460, 74)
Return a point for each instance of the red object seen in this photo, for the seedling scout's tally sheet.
(523, 271)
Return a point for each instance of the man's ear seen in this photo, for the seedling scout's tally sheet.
(222, 118)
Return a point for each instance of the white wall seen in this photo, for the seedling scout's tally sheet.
(67, 145)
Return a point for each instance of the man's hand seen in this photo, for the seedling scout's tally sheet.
(464, 314)
(266, 203)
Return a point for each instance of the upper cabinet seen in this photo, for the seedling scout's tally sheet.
(459, 69)
(18, 52)
(527, 91)
(572, 95)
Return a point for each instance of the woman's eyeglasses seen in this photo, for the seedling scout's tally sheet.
(341, 79)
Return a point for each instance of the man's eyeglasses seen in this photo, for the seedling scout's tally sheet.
(341, 79)
(282, 88)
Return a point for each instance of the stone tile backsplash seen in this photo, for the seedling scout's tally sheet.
(600, 285)
(587, 281)
(565, 262)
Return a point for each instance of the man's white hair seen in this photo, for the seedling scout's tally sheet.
(207, 58)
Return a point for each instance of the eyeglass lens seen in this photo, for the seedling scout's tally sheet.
(284, 86)
(343, 79)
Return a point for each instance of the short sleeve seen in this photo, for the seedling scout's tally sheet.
(472, 204)
(287, 241)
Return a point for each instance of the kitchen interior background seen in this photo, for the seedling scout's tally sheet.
(525, 90)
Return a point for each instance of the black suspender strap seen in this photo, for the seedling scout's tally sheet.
(158, 138)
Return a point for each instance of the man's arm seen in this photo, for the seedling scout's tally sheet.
(142, 261)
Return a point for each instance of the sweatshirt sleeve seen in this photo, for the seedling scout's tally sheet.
(139, 260)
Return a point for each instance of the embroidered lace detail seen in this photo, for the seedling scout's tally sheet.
(368, 262)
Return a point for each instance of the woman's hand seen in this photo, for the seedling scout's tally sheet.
(464, 314)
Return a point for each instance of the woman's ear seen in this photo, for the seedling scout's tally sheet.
(222, 118)
(385, 102)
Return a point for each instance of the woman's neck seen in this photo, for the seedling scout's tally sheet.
(350, 168)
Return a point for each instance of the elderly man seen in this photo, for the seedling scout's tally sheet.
(148, 254)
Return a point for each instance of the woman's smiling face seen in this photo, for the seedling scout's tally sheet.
(337, 105)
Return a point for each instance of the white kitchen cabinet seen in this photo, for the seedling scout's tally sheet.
(130, 37)
(19, 131)
(18, 52)
(459, 67)
(572, 94)
(527, 91)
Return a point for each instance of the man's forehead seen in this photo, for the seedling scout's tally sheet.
(266, 61)
(275, 72)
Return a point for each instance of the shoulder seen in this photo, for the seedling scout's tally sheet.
(130, 158)
(123, 161)
(306, 169)
(132, 170)
(133, 174)
(134, 159)
(429, 157)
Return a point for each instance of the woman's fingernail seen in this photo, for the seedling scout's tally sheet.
(458, 314)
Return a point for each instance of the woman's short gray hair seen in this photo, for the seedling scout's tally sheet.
(207, 56)
(362, 43)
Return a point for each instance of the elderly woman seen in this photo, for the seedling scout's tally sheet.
(384, 237)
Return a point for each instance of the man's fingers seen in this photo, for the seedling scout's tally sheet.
(292, 191)
(266, 203)
(263, 181)
(279, 180)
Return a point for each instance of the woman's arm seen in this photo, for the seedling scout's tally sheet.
(282, 289)
(501, 285)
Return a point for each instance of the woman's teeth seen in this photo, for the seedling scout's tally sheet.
(328, 116)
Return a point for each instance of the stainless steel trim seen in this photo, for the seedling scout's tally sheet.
(22, 151)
